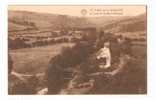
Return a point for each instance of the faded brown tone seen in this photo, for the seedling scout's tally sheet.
(55, 51)
(75, 11)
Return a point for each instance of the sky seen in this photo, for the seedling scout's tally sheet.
(89, 11)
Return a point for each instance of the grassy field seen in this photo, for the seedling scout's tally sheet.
(35, 60)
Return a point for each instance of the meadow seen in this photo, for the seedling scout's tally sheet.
(35, 60)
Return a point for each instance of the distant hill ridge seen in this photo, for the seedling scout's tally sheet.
(23, 20)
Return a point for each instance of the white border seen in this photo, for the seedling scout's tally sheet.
(151, 48)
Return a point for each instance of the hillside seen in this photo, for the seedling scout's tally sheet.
(22, 20)
(132, 24)
(105, 20)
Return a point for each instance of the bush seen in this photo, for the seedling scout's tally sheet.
(69, 58)
(17, 43)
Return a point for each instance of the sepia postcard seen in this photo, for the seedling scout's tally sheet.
(77, 49)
